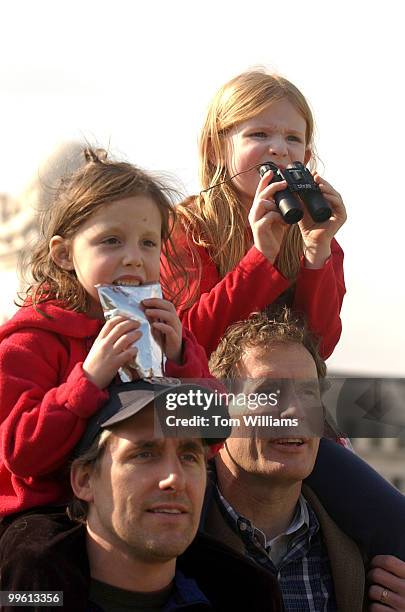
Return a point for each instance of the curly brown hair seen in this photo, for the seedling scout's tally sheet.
(264, 330)
(97, 182)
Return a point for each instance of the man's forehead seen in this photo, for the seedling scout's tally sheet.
(127, 436)
(280, 361)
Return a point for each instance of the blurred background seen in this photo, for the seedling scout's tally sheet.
(136, 78)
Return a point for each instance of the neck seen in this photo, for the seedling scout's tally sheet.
(269, 504)
(95, 311)
(119, 568)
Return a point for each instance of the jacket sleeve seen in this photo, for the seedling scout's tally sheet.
(250, 286)
(195, 363)
(319, 296)
(41, 417)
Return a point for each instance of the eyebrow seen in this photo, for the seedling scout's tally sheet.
(106, 228)
(190, 445)
(305, 385)
(267, 126)
(264, 384)
(146, 444)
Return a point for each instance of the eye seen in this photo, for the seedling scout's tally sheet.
(143, 455)
(294, 138)
(149, 243)
(190, 458)
(311, 394)
(111, 240)
(258, 135)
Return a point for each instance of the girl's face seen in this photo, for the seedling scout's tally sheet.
(276, 134)
(120, 243)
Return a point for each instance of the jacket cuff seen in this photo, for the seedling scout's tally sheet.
(314, 275)
(84, 397)
(190, 366)
(254, 259)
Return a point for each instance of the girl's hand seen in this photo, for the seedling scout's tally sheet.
(111, 350)
(163, 319)
(318, 236)
(268, 226)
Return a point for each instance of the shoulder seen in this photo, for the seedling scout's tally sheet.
(346, 559)
(50, 319)
(330, 530)
(27, 328)
(236, 571)
(190, 222)
(188, 205)
(47, 532)
(335, 247)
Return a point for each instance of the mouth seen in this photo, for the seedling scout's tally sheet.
(289, 442)
(168, 510)
(128, 282)
(281, 167)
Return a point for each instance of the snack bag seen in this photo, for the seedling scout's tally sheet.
(126, 301)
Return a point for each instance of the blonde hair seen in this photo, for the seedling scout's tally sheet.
(80, 194)
(215, 219)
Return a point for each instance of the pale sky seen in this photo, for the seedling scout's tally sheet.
(137, 76)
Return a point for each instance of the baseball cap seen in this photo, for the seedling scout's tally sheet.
(127, 399)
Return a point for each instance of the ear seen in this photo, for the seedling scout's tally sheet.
(217, 158)
(80, 480)
(60, 250)
(308, 155)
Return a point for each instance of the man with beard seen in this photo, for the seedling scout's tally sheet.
(129, 543)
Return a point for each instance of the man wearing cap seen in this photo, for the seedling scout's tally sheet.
(138, 498)
(257, 503)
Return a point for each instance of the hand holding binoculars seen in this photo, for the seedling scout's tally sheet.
(300, 185)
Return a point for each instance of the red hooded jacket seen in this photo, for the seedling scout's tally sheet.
(252, 285)
(46, 399)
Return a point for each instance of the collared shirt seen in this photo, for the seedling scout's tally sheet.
(297, 557)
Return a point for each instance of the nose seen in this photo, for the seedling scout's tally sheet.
(308, 412)
(278, 146)
(291, 405)
(132, 256)
(174, 479)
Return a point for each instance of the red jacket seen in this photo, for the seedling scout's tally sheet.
(251, 286)
(46, 399)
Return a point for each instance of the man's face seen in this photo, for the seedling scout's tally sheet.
(147, 493)
(288, 458)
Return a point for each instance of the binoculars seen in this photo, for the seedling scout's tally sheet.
(300, 182)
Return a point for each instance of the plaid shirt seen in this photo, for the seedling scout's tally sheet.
(298, 558)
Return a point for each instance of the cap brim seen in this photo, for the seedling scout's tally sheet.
(125, 401)
(131, 405)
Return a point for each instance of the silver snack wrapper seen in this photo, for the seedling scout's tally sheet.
(125, 301)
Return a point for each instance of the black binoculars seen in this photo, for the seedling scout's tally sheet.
(299, 181)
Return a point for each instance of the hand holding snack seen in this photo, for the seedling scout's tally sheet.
(126, 301)
(112, 349)
(164, 319)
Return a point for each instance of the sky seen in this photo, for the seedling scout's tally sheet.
(136, 77)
